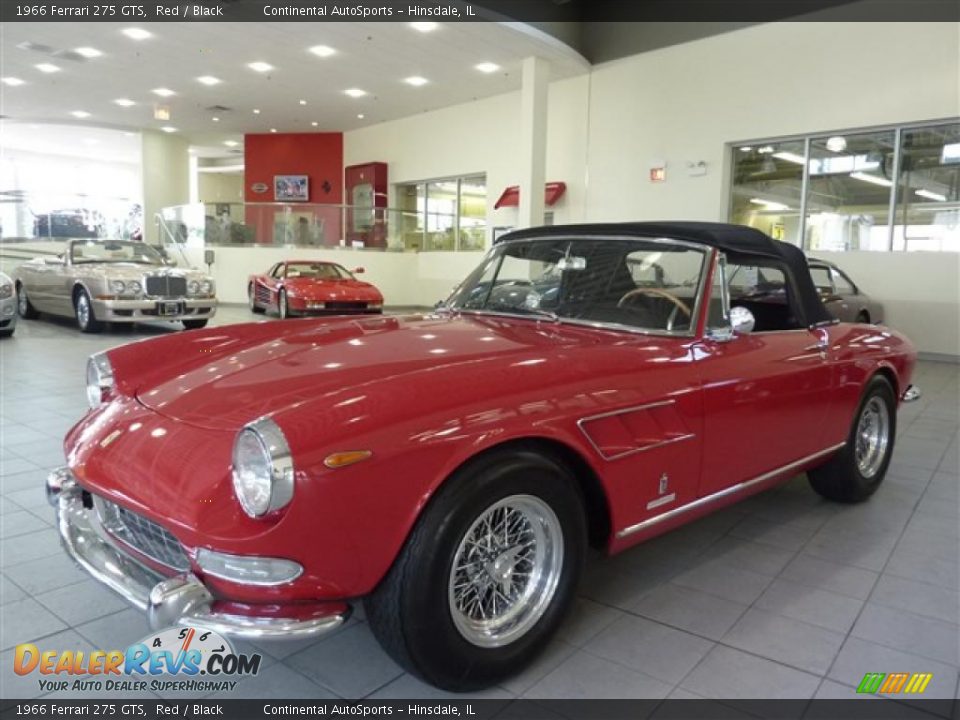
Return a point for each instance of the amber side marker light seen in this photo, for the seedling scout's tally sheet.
(342, 459)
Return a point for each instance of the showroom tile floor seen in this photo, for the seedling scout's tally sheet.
(784, 594)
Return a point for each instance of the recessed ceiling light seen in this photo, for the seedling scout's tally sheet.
(163, 92)
(124, 102)
(88, 52)
(323, 51)
(487, 67)
(416, 81)
(355, 92)
(47, 68)
(230, 143)
(80, 114)
(168, 129)
(303, 102)
(215, 118)
(256, 111)
(208, 80)
(12, 81)
(91, 141)
(273, 130)
(424, 27)
(315, 123)
(135, 33)
(360, 116)
(260, 67)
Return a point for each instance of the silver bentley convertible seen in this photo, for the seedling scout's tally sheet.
(98, 281)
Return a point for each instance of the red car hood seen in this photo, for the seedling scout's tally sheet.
(324, 290)
(316, 361)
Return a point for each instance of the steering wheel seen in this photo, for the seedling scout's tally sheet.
(679, 304)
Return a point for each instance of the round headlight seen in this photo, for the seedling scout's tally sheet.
(99, 380)
(6, 290)
(134, 287)
(117, 286)
(193, 287)
(207, 287)
(262, 468)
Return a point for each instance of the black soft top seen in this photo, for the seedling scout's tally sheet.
(742, 245)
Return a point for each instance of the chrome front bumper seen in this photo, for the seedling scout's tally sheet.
(179, 600)
(140, 310)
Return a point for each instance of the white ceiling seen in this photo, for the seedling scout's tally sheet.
(373, 56)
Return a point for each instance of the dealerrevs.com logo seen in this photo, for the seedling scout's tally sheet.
(179, 659)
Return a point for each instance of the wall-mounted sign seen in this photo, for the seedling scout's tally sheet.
(259, 188)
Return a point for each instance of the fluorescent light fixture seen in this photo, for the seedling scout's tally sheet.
(765, 149)
(950, 154)
(47, 68)
(930, 195)
(360, 116)
(88, 52)
(230, 143)
(487, 67)
(163, 92)
(789, 157)
(215, 118)
(135, 33)
(80, 114)
(315, 123)
(12, 81)
(323, 51)
(260, 67)
(208, 80)
(355, 92)
(124, 102)
(746, 148)
(837, 143)
(769, 204)
(873, 179)
(256, 111)
(303, 102)
(424, 27)
(168, 129)
(416, 81)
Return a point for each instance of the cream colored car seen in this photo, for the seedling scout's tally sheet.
(98, 281)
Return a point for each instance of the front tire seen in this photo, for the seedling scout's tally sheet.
(24, 307)
(194, 324)
(856, 471)
(86, 320)
(487, 574)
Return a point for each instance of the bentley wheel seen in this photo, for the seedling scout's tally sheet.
(487, 574)
(86, 320)
(282, 306)
(194, 324)
(856, 471)
(252, 300)
(24, 306)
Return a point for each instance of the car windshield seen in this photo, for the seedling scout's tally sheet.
(317, 271)
(651, 285)
(106, 251)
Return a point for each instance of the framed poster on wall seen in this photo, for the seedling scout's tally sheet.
(291, 188)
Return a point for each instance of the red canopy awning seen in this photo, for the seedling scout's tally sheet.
(553, 191)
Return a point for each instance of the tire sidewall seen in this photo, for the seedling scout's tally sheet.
(429, 626)
(282, 306)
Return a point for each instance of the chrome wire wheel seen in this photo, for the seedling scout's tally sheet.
(873, 437)
(83, 310)
(505, 571)
(23, 305)
(252, 297)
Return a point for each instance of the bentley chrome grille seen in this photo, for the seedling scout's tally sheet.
(143, 535)
(165, 285)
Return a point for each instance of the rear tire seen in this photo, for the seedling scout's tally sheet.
(863, 317)
(856, 471)
(252, 300)
(282, 306)
(505, 517)
(24, 306)
(83, 309)
(194, 324)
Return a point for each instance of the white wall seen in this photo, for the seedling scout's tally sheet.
(166, 177)
(686, 103)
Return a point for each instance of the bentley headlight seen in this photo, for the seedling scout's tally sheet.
(99, 380)
(262, 468)
(207, 287)
(6, 290)
(117, 287)
(134, 287)
(193, 287)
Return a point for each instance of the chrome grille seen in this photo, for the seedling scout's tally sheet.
(165, 285)
(143, 535)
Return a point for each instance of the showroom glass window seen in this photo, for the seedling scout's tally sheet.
(892, 188)
(445, 214)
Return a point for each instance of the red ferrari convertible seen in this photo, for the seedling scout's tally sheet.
(586, 385)
(311, 287)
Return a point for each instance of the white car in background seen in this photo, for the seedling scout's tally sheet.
(8, 306)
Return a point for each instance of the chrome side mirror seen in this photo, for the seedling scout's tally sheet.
(741, 320)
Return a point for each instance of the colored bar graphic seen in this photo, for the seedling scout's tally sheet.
(893, 683)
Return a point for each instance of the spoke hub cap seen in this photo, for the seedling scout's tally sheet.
(872, 437)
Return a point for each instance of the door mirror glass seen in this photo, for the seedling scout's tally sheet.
(741, 320)
(359, 271)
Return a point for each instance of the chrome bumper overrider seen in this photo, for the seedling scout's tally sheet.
(179, 600)
(911, 393)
